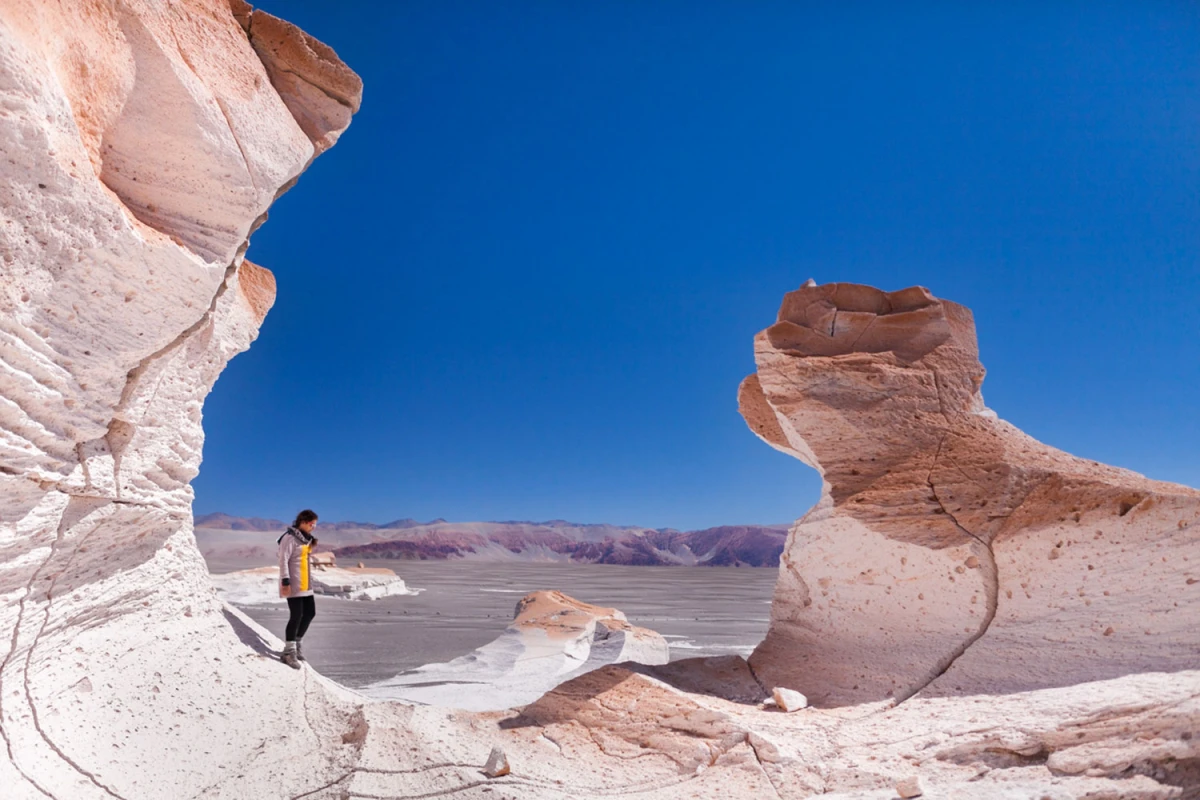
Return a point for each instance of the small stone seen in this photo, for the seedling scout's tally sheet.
(497, 764)
(910, 787)
(789, 699)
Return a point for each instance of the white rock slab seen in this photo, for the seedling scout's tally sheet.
(256, 587)
(552, 639)
(789, 699)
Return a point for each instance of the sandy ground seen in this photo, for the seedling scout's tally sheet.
(463, 605)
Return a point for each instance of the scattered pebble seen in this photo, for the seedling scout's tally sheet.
(910, 787)
(497, 764)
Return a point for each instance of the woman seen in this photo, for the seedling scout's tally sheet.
(295, 545)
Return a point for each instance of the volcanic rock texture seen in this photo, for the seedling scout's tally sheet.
(950, 553)
(143, 141)
(142, 144)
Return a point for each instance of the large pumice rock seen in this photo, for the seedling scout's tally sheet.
(552, 638)
(950, 552)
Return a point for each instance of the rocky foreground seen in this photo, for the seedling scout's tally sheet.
(970, 612)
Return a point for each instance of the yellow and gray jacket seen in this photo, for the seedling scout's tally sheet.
(294, 547)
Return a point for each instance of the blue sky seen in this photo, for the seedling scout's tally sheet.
(525, 283)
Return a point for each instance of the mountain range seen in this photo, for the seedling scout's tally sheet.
(223, 537)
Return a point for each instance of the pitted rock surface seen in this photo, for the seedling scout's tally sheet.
(949, 550)
(144, 142)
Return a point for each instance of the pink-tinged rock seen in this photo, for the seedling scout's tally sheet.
(910, 787)
(613, 711)
(321, 92)
(950, 552)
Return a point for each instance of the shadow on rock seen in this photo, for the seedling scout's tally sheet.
(248, 635)
(724, 677)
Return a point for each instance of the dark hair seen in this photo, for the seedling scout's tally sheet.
(307, 515)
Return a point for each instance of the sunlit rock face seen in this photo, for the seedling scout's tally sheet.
(143, 143)
(553, 638)
(951, 553)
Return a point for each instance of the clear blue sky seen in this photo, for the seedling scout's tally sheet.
(525, 283)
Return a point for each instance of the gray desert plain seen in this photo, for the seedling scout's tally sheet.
(967, 612)
(461, 606)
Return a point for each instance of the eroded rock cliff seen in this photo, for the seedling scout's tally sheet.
(951, 553)
(143, 143)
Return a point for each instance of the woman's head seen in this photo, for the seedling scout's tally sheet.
(306, 520)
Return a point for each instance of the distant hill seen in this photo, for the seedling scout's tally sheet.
(224, 537)
(225, 522)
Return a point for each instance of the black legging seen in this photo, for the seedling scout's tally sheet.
(301, 611)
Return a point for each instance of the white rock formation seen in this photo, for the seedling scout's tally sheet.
(552, 639)
(256, 587)
(143, 142)
(360, 583)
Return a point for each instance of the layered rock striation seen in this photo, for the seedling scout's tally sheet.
(950, 553)
(143, 144)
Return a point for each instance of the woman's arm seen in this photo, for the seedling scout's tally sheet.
(286, 545)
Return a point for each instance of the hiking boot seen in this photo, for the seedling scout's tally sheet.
(300, 652)
(289, 656)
